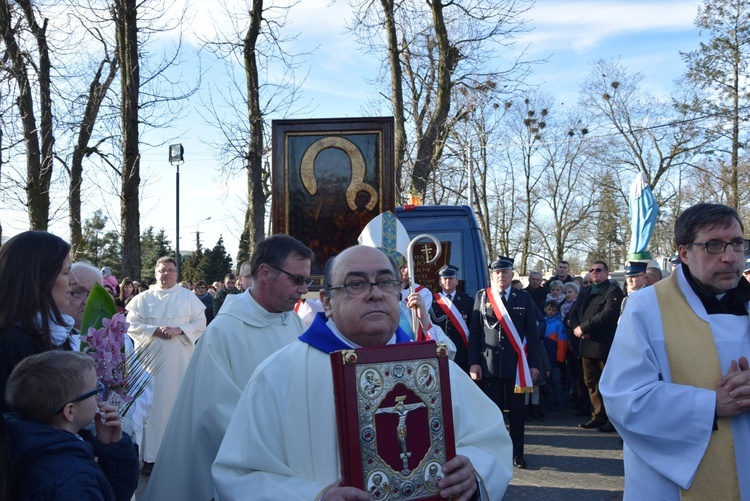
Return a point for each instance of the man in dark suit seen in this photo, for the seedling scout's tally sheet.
(451, 310)
(537, 291)
(593, 319)
(502, 323)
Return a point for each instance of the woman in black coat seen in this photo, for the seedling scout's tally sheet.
(36, 277)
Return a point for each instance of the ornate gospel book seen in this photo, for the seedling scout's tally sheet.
(394, 417)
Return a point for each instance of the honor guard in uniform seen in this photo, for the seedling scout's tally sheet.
(451, 310)
(504, 347)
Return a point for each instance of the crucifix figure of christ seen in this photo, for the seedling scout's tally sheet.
(402, 410)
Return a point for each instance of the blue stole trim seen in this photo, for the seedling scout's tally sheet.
(320, 337)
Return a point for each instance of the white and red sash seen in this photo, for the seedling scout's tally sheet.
(524, 384)
(454, 315)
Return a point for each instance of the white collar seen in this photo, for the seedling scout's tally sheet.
(262, 313)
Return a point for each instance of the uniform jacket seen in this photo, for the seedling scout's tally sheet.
(597, 314)
(490, 348)
(48, 463)
(539, 295)
(464, 303)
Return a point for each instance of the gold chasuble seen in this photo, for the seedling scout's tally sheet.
(694, 361)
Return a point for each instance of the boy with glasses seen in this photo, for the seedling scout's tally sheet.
(54, 395)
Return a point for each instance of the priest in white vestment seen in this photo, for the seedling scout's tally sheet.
(248, 329)
(282, 441)
(171, 318)
(673, 428)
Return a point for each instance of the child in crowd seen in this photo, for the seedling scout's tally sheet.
(573, 376)
(555, 292)
(53, 395)
(556, 344)
(532, 400)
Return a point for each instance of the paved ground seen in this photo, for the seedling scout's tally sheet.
(567, 462)
(564, 463)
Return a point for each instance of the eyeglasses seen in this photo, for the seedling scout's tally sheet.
(357, 288)
(719, 246)
(596, 270)
(99, 392)
(164, 272)
(297, 279)
(80, 293)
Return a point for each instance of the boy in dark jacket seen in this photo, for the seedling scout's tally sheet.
(556, 343)
(53, 396)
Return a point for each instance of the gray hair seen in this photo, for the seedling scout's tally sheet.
(555, 283)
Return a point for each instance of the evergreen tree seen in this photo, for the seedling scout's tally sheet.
(153, 246)
(190, 267)
(92, 239)
(610, 245)
(99, 247)
(111, 254)
(216, 263)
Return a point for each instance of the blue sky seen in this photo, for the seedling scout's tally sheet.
(646, 35)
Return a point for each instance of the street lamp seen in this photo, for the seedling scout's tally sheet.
(175, 158)
(198, 233)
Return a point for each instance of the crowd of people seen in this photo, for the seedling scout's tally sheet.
(243, 400)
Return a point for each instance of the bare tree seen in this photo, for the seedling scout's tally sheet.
(434, 48)
(649, 135)
(719, 68)
(150, 97)
(527, 121)
(256, 42)
(83, 123)
(125, 13)
(565, 191)
(16, 18)
(253, 229)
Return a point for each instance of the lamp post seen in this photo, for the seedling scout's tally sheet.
(175, 158)
(198, 233)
